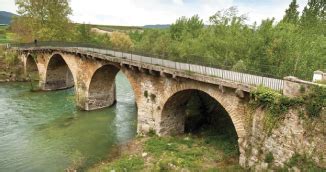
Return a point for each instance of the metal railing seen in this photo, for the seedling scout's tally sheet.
(188, 66)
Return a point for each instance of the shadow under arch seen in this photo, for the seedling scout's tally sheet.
(195, 111)
(102, 87)
(58, 74)
(31, 68)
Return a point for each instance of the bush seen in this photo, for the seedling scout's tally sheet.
(315, 101)
(146, 93)
(269, 158)
(303, 162)
(11, 58)
(265, 97)
(275, 103)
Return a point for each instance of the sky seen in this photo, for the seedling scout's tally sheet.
(146, 12)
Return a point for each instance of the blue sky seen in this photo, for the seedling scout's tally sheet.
(142, 12)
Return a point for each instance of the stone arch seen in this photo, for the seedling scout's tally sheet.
(177, 96)
(101, 87)
(58, 73)
(31, 67)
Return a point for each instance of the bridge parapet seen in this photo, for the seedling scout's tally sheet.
(294, 87)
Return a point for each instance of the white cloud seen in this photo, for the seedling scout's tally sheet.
(8, 5)
(142, 12)
(178, 2)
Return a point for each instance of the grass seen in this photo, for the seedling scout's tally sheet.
(126, 163)
(5, 36)
(302, 162)
(199, 152)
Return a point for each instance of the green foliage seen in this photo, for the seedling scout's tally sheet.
(43, 20)
(146, 93)
(11, 58)
(302, 89)
(265, 97)
(240, 66)
(272, 49)
(303, 162)
(225, 143)
(189, 151)
(83, 33)
(275, 103)
(151, 133)
(315, 101)
(153, 97)
(269, 158)
(295, 46)
(127, 163)
(292, 13)
(5, 35)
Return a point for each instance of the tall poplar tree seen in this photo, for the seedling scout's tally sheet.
(314, 16)
(292, 13)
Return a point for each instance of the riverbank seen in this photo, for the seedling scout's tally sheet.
(11, 73)
(191, 152)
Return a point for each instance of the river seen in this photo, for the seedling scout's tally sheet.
(44, 131)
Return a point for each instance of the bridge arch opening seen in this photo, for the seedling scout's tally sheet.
(197, 113)
(102, 91)
(32, 71)
(58, 74)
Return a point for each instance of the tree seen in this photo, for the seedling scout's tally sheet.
(184, 26)
(314, 16)
(292, 13)
(121, 41)
(44, 19)
(83, 33)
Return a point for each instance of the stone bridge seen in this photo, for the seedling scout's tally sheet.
(161, 87)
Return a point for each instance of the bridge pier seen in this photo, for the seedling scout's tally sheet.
(93, 101)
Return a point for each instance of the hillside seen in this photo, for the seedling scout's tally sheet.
(5, 17)
(158, 26)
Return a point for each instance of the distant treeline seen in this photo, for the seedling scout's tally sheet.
(296, 45)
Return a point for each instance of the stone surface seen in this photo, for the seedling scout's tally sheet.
(285, 140)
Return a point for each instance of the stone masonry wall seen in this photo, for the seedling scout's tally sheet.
(294, 135)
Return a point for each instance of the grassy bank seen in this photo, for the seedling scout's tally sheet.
(5, 35)
(199, 152)
(11, 68)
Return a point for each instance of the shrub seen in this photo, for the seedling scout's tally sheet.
(275, 103)
(269, 158)
(315, 101)
(153, 97)
(146, 93)
(265, 97)
(303, 162)
(11, 58)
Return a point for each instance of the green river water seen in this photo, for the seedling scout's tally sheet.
(44, 131)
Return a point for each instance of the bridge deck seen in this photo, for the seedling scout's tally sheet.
(206, 73)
